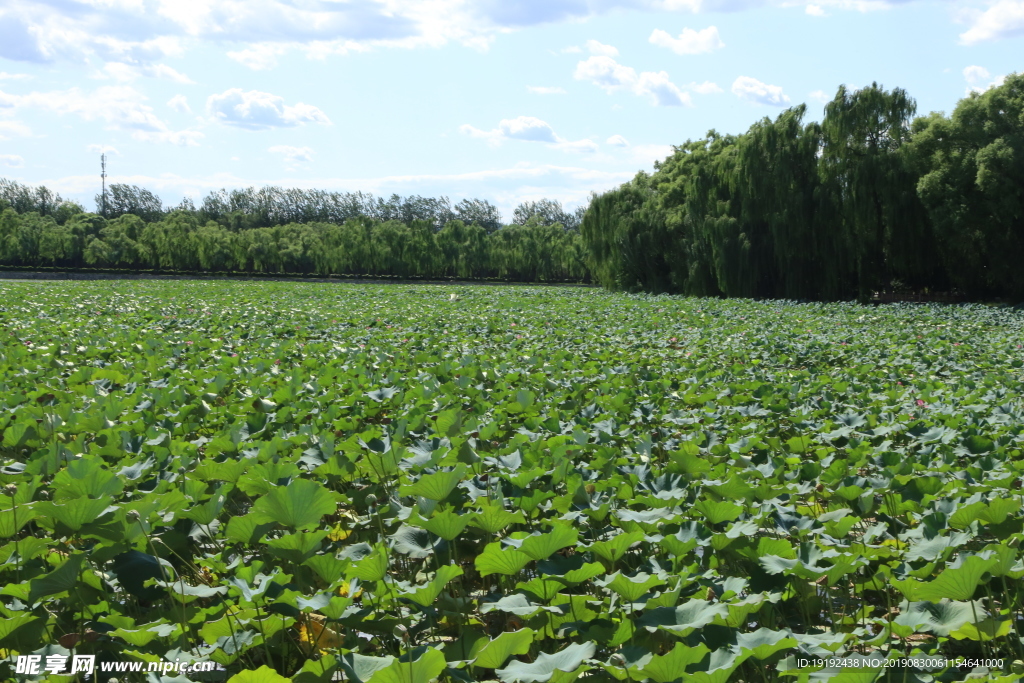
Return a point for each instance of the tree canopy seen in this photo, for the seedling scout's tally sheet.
(869, 199)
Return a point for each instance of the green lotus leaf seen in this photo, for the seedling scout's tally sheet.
(493, 518)
(958, 583)
(446, 524)
(436, 486)
(764, 642)
(414, 542)
(719, 511)
(941, 617)
(426, 595)
(613, 550)
(496, 652)
(542, 546)
(361, 668)
(631, 587)
(496, 559)
(299, 505)
(264, 674)
(672, 666)
(683, 619)
(372, 567)
(423, 670)
(543, 668)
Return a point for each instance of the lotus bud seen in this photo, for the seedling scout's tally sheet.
(132, 515)
(11, 490)
(1017, 667)
(401, 632)
(371, 500)
(794, 531)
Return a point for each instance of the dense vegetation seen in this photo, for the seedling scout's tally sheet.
(531, 485)
(292, 231)
(869, 199)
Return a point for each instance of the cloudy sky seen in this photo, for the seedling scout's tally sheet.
(502, 100)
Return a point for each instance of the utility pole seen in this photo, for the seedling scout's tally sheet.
(103, 177)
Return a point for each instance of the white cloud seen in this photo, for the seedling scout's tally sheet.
(1003, 19)
(293, 155)
(596, 48)
(617, 141)
(12, 160)
(258, 32)
(544, 90)
(753, 90)
(585, 146)
(126, 73)
(814, 10)
(61, 31)
(257, 110)
(572, 50)
(678, 5)
(662, 91)
(4, 76)
(529, 129)
(606, 73)
(705, 88)
(179, 103)
(13, 129)
(646, 155)
(979, 79)
(102, 149)
(820, 96)
(259, 56)
(121, 107)
(181, 138)
(689, 42)
(976, 74)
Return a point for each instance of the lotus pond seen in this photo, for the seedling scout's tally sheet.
(390, 484)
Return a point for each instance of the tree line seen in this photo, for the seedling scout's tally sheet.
(870, 199)
(275, 230)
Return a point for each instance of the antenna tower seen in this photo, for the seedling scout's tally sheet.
(103, 177)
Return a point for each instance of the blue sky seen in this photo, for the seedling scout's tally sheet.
(500, 100)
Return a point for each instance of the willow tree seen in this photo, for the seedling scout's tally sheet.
(777, 181)
(709, 248)
(973, 188)
(884, 230)
(628, 241)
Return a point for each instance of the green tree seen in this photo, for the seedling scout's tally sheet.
(972, 184)
(880, 215)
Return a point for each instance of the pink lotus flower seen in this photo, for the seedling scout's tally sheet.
(921, 402)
